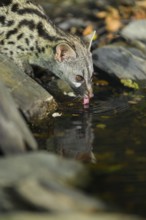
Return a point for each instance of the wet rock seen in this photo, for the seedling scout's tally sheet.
(121, 63)
(60, 90)
(70, 216)
(15, 136)
(43, 182)
(34, 101)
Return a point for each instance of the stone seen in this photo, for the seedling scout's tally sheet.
(15, 136)
(69, 216)
(33, 100)
(130, 30)
(40, 181)
(120, 63)
(134, 37)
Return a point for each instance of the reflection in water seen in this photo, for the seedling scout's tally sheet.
(119, 148)
(76, 138)
(75, 130)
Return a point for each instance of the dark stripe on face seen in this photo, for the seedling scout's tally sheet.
(29, 23)
(11, 32)
(31, 11)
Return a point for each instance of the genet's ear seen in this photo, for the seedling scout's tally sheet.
(64, 52)
(88, 39)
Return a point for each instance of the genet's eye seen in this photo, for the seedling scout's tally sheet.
(79, 78)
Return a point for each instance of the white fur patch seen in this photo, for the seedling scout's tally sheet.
(77, 84)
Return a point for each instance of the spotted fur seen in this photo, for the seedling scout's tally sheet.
(29, 37)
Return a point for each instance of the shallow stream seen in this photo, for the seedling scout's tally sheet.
(110, 138)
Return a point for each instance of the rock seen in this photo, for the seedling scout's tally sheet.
(42, 186)
(60, 90)
(135, 30)
(43, 182)
(43, 194)
(120, 63)
(34, 101)
(15, 137)
(136, 38)
(69, 216)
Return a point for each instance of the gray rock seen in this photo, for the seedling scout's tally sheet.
(135, 30)
(120, 62)
(34, 101)
(15, 136)
(69, 216)
(37, 164)
(43, 194)
(43, 182)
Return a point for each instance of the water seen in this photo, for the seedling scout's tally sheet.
(110, 138)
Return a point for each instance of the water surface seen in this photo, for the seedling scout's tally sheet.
(110, 138)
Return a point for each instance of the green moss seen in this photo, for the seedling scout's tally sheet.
(129, 83)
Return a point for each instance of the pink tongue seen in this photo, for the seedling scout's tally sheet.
(86, 101)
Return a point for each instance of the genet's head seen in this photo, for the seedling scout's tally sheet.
(73, 63)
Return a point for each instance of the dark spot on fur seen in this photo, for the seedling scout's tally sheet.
(31, 36)
(31, 11)
(20, 48)
(36, 54)
(11, 42)
(5, 2)
(27, 41)
(37, 47)
(32, 48)
(2, 19)
(11, 32)
(10, 23)
(2, 42)
(11, 52)
(29, 23)
(19, 36)
(4, 22)
(43, 49)
(43, 33)
(15, 7)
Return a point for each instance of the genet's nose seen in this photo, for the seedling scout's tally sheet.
(90, 92)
